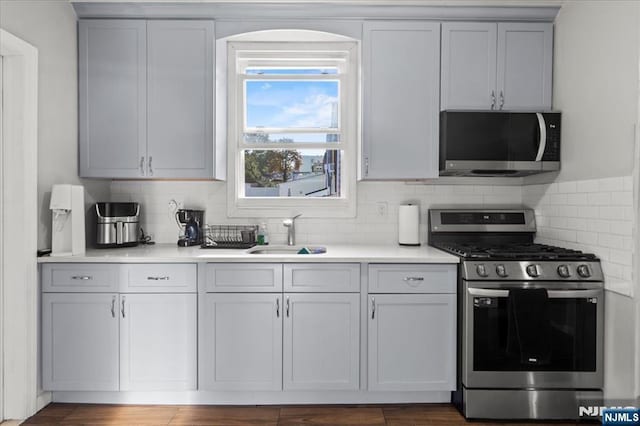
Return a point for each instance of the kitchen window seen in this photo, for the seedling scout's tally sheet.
(293, 128)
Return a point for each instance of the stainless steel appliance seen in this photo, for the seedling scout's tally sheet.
(191, 225)
(117, 224)
(530, 317)
(499, 143)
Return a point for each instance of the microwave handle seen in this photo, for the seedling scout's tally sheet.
(553, 294)
(542, 143)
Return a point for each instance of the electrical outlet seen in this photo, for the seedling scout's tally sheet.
(382, 209)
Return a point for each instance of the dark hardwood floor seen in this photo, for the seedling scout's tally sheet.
(412, 414)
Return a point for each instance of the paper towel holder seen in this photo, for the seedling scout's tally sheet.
(409, 225)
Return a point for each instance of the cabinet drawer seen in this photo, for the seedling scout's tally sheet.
(80, 277)
(244, 277)
(316, 277)
(411, 278)
(159, 278)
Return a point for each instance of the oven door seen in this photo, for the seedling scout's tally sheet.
(576, 324)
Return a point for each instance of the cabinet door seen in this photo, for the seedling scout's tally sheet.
(79, 342)
(243, 342)
(525, 55)
(112, 96)
(401, 71)
(158, 342)
(321, 342)
(468, 66)
(180, 84)
(412, 343)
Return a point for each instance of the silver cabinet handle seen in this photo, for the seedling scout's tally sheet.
(164, 278)
(501, 99)
(373, 308)
(122, 310)
(82, 277)
(142, 165)
(113, 307)
(413, 281)
(150, 166)
(277, 307)
(493, 99)
(287, 307)
(366, 166)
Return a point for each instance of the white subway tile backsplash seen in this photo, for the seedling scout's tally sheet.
(590, 238)
(611, 212)
(611, 184)
(589, 212)
(599, 198)
(577, 199)
(621, 257)
(367, 227)
(595, 216)
(623, 198)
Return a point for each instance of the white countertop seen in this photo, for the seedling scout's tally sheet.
(170, 253)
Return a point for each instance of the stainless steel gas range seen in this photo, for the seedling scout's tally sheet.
(530, 317)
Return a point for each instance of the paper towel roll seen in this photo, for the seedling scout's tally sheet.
(409, 225)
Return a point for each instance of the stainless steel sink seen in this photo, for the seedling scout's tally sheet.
(287, 250)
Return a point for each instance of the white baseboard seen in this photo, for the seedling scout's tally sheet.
(251, 398)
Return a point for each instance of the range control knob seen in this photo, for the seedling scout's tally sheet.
(584, 271)
(501, 271)
(533, 271)
(563, 271)
(481, 270)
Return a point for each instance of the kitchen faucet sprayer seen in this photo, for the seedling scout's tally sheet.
(290, 224)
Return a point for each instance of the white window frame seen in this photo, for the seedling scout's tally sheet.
(239, 54)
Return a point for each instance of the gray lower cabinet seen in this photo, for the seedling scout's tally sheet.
(80, 342)
(412, 329)
(496, 66)
(401, 83)
(242, 341)
(257, 337)
(122, 340)
(145, 100)
(321, 342)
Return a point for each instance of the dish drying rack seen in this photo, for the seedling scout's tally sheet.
(230, 236)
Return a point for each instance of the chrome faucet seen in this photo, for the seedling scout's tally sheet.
(290, 224)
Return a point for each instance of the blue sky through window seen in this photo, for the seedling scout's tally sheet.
(291, 103)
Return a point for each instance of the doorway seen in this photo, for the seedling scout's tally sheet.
(18, 242)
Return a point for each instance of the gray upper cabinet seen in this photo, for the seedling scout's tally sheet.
(489, 66)
(146, 99)
(468, 65)
(525, 56)
(180, 94)
(401, 72)
(112, 97)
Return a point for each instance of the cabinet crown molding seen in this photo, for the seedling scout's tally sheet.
(260, 10)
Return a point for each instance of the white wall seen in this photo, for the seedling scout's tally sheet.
(596, 86)
(50, 26)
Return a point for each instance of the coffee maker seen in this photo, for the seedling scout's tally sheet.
(191, 225)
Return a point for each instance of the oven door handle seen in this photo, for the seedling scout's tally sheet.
(553, 294)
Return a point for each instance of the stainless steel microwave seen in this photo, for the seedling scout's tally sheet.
(499, 143)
